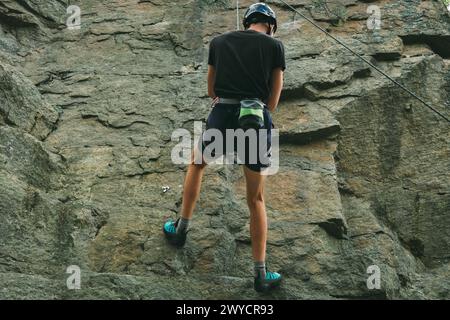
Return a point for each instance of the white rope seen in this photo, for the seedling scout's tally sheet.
(237, 14)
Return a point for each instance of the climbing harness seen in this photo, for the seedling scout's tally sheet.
(365, 60)
(251, 112)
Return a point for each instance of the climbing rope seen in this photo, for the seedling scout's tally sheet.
(237, 15)
(365, 60)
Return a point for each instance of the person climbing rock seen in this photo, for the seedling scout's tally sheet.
(248, 66)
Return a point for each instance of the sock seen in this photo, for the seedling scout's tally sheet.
(260, 269)
(182, 225)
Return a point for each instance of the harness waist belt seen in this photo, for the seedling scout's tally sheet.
(228, 101)
(233, 101)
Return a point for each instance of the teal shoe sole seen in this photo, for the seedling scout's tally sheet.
(177, 240)
(264, 286)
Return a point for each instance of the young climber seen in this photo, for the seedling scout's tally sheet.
(241, 65)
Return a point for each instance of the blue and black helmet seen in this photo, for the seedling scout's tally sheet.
(260, 12)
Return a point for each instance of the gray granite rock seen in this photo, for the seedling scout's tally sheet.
(86, 179)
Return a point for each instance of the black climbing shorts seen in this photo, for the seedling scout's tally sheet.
(251, 148)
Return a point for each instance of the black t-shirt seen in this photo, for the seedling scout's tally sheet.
(244, 61)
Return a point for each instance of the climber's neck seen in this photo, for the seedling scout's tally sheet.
(260, 27)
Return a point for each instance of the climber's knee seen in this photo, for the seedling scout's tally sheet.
(255, 201)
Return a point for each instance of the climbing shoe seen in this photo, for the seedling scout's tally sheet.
(170, 231)
(271, 281)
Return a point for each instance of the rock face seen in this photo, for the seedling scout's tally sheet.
(86, 118)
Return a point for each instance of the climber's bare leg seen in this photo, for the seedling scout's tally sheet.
(191, 189)
(258, 218)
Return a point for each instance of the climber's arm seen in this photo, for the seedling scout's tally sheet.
(211, 79)
(275, 91)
